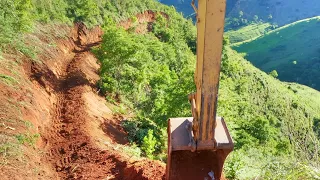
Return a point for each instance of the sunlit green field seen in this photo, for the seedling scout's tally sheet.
(248, 32)
(292, 50)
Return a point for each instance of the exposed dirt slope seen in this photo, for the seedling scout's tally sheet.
(143, 22)
(79, 135)
(71, 150)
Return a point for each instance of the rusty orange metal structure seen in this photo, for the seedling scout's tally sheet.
(199, 145)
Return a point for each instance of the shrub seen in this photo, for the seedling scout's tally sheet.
(30, 139)
(148, 144)
(274, 74)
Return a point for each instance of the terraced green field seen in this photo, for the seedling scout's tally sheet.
(248, 32)
(292, 50)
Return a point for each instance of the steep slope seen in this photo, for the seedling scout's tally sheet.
(63, 128)
(273, 123)
(71, 148)
(148, 75)
(26, 106)
(292, 50)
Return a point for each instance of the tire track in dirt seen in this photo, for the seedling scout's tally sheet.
(70, 150)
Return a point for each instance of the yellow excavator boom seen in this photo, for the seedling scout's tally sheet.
(199, 145)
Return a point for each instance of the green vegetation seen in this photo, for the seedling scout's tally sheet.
(181, 6)
(275, 11)
(239, 21)
(147, 72)
(9, 148)
(274, 124)
(274, 74)
(15, 17)
(20, 16)
(248, 32)
(242, 13)
(292, 50)
(29, 139)
(270, 121)
(148, 144)
(172, 53)
(184, 6)
(233, 21)
(10, 81)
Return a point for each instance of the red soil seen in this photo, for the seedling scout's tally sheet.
(78, 131)
(144, 22)
(72, 152)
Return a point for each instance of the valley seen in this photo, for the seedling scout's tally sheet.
(272, 11)
(292, 50)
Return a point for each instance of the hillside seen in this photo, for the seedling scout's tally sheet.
(184, 6)
(292, 50)
(53, 122)
(270, 120)
(282, 12)
(248, 32)
(93, 103)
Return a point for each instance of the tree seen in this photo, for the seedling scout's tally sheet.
(50, 10)
(235, 22)
(244, 21)
(160, 28)
(15, 17)
(24, 14)
(256, 18)
(83, 10)
(241, 14)
(274, 26)
(148, 144)
(274, 74)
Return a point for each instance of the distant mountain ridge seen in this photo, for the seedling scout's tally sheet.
(184, 6)
(282, 12)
